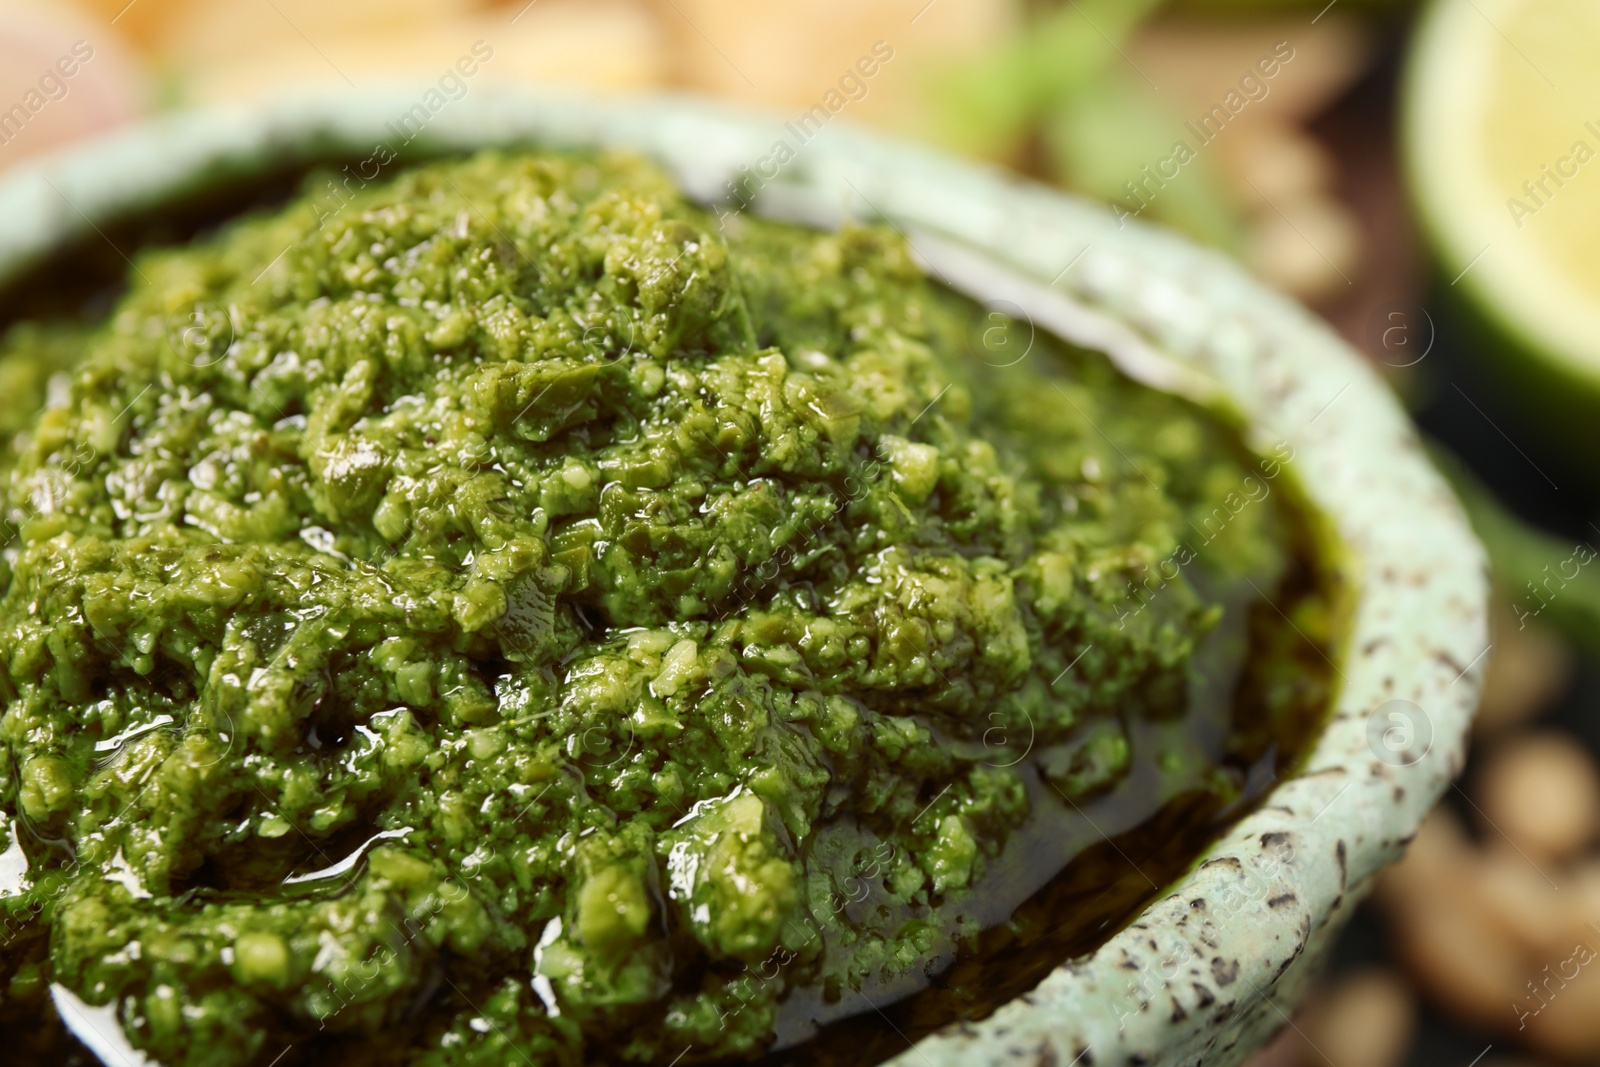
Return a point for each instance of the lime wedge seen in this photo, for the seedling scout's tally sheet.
(1502, 144)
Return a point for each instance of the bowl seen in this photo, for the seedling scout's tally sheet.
(1216, 963)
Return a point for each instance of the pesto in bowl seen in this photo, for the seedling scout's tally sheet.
(519, 612)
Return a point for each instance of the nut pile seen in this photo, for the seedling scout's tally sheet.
(1503, 931)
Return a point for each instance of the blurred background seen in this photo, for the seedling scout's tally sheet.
(1414, 173)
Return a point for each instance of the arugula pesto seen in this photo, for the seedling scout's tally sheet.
(518, 620)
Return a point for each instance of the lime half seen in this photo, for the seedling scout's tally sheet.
(1502, 142)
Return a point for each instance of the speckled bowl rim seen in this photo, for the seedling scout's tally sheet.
(1213, 966)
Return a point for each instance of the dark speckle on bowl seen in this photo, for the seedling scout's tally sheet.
(1224, 971)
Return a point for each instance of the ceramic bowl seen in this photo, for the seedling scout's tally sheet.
(1215, 965)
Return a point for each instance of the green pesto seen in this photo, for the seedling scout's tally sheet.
(515, 611)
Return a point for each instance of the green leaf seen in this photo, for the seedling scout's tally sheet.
(1116, 142)
(1549, 578)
